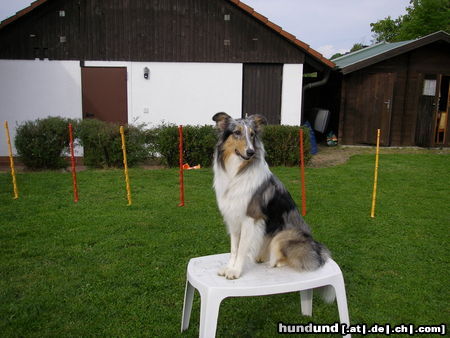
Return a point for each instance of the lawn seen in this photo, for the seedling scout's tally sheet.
(100, 268)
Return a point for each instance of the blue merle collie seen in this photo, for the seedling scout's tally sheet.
(262, 219)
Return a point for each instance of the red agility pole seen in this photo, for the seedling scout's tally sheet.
(72, 160)
(302, 173)
(180, 149)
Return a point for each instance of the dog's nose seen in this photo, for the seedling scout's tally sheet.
(250, 152)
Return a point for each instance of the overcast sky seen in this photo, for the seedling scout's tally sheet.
(329, 26)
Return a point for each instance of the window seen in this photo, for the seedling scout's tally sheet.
(429, 87)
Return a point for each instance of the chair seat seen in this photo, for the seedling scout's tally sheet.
(259, 279)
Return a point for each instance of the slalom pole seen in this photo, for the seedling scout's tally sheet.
(302, 173)
(72, 160)
(11, 162)
(375, 180)
(125, 165)
(180, 150)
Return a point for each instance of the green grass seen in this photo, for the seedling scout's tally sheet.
(100, 268)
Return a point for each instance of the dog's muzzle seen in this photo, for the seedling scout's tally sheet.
(250, 153)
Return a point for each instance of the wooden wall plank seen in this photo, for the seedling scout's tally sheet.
(151, 30)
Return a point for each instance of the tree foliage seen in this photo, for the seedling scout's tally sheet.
(422, 17)
(357, 46)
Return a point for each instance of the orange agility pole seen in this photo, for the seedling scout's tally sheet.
(125, 165)
(180, 150)
(375, 180)
(11, 162)
(302, 173)
(72, 161)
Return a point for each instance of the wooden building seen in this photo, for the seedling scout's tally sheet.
(148, 61)
(401, 88)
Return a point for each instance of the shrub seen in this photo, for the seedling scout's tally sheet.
(103, 146)
(42, 143)
(281, 144)
(166, 143)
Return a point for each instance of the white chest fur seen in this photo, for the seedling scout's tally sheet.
(234, 190)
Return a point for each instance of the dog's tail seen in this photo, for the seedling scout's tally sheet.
(299, 250)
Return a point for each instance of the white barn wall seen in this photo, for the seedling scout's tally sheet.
(185, 93)
(37, 89)
(180, 93)
(291, 94)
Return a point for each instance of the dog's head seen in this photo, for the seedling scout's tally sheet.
(239, 136)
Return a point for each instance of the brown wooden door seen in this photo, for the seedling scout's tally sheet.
(427, 110)
(262, 91)
(104, 91)
(368, 107)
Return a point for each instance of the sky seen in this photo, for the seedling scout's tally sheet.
(328, 26)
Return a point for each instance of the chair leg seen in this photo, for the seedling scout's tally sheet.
(209, 313)
(341, 300)
(306, 298)
(187, 306)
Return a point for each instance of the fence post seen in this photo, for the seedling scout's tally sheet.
(375, 180)
(125, 165)
(302, 173)
(11, 162)
(180, 150)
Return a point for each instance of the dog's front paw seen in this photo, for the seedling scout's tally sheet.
(232, 273)
(222, 271)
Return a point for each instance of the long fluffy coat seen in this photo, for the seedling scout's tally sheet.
(261, 217)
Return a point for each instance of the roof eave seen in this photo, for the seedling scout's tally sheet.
(286, 35)
(21, 13)
(420, 42)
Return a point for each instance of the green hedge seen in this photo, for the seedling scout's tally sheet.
(44, 143)
(281, 144)
(198, 144)
(41, 143)
(103, 145)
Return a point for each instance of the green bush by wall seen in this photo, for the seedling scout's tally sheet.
(44, 143)
(281, 144)
(103, 145)
(41, 143)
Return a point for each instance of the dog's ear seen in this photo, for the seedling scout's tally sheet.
(259, 121)
(221, 120)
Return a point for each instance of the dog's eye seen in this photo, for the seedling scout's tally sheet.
(237, 133)
(252, 134)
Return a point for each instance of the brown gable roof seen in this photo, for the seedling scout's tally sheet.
(21, 13)
(261, 18)
(305, 47)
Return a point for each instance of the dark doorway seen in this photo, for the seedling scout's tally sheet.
(442, 117)
(104, 91)
(262, 91)
(427, 110)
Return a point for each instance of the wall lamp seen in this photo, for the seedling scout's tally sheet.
(146, 73)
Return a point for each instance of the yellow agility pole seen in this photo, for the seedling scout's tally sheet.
(11, 162)
(375, 180)
(125, 165)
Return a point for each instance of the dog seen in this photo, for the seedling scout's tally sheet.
(262, 219)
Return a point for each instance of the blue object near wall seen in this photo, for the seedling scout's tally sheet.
(312, 138)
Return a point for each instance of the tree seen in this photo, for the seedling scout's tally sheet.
(357, 46)
(386, 29)
(335, 56)
(422, 17)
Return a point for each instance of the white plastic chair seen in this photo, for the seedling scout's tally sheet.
(258, 281)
